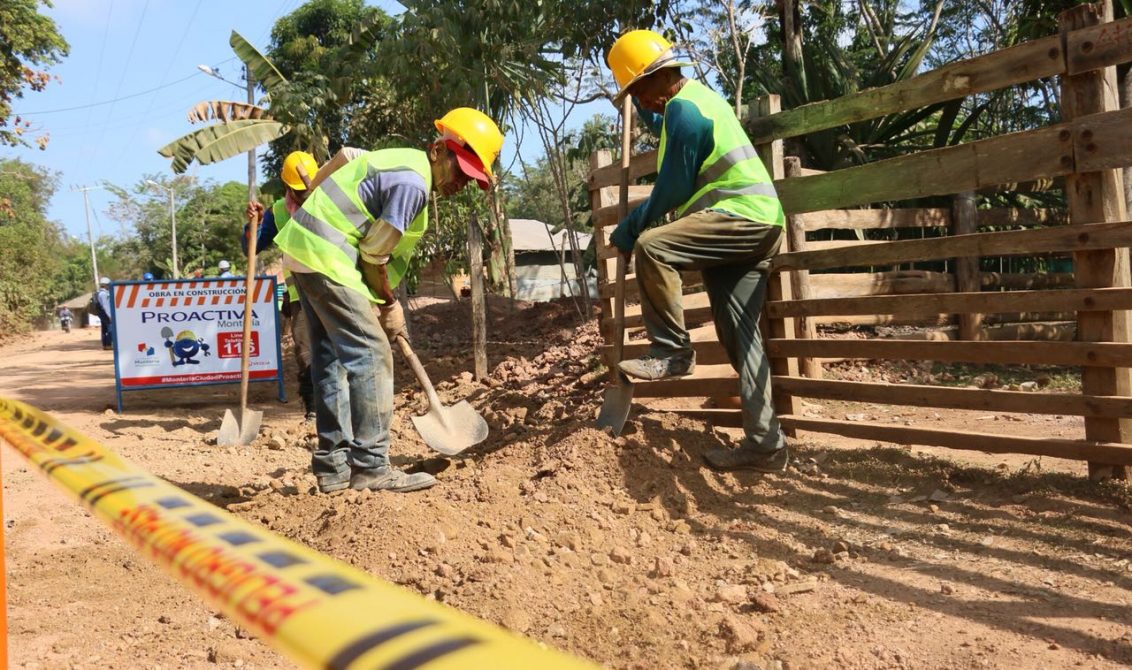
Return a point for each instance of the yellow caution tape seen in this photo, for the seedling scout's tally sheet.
(318, 611)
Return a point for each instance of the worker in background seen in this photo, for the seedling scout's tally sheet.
(148, 276)
(225, 270)
(299, 168)
(102, 300)
(729, 224)
(348, 247)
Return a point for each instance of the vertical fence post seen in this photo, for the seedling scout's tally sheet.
(800, 279)
(772, 157)
(965, 220)
(479, 300)
(1096, 197)
(606, 269)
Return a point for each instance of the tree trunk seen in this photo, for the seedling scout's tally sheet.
(479, 317)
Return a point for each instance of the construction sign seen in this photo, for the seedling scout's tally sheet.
(190, 333)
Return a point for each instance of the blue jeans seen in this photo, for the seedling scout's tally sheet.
(352, 419)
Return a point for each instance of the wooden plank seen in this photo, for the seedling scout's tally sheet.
(479, 305)
(1012, 242)
(969, 440)
(708, 352)
(1092, 197)
(1093, 354)
(843, 285)
(800, 281)
(1004, 217)
(809, 172)
(706, 382)
(1026, 62)
(1103, 142)
(1099, 46)
(690, 278)
(697, 308)
(606, 272)
(609, 214)
(874, 219)
(641, 165)
(771, 153)
(930, 304)
(821, 245)
(965, 220)
(958, 398)
(1023, 156)
(995, 281)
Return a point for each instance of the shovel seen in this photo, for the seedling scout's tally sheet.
(233, 433)
(619, 397)
(447, 430)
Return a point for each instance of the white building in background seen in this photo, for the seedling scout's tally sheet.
(538, 274)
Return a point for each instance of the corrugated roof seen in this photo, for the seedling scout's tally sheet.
(532, 235)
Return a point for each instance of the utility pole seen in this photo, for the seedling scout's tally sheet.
(89, 231)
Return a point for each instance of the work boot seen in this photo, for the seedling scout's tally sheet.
(654, 367)
(390, 478)
(334, 482)
(745, 458)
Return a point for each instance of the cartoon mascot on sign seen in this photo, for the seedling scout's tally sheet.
(187, 345)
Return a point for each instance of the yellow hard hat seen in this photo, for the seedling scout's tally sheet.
(475, 129)
(637, 54)
(290, 173)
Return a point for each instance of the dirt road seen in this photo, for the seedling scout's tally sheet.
(626, 551)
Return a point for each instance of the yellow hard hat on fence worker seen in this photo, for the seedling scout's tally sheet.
(637, 54)
(474, 129)
(291, 164)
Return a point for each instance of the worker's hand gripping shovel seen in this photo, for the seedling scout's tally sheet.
(619, 396)
(233, 433)
(447, 430)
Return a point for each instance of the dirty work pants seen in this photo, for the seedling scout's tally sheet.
(352, 419)
(107, 330)
(732, 254)
(300, 334)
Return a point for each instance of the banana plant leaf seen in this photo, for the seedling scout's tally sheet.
(262, 69)
(220, 141)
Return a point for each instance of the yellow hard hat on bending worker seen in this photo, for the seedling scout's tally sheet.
(472, 129)
(637, 54)
(290, 173)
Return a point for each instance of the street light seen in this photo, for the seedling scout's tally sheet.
(251, 101)
(173, 223)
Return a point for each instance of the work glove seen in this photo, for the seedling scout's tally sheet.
(392, 320)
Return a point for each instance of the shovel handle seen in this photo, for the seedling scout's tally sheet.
(418, 370)
(623, 211)
(245, 343)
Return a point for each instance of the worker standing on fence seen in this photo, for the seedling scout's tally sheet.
(729, 223)
(348, 247)
(299, 168)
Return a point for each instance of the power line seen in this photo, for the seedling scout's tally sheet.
(110, 102)
(125, 69)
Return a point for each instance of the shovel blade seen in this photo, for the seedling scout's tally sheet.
(450, 430)
(234, 433)
(615, 407)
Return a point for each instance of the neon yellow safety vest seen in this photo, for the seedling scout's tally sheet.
(282, 216)
(732, 178)
(325, 232)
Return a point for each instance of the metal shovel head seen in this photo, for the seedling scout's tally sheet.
(233, 433)
(615, 407)
(450, 430)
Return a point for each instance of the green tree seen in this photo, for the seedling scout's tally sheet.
(29, 43)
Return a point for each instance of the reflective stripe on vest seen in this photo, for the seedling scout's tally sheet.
(732, 179)
(333, 221)
(282, 217)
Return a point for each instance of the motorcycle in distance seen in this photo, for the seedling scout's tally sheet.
(65, 318)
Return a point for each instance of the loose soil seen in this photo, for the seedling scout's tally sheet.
(626, 551)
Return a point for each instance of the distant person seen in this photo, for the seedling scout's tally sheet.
(225, 270)
(147, 276)
(102, 300)
(65, 318)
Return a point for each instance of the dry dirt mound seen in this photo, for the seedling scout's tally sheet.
(626, 551)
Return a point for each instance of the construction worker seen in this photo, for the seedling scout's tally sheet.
(148, 276)
(225, 270)
(348, 247)
(729, 223)
(299, 167)
(102, 301)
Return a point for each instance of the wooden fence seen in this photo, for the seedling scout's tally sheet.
(1085, 151)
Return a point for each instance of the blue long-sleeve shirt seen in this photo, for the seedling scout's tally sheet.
(690, 139)
(266, 234)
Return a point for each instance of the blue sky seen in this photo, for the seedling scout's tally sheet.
(128, 83)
